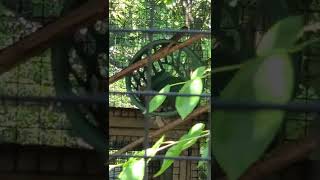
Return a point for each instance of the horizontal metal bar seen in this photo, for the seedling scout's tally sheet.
(153, 93)
(190, 158)
(311, 106)
(159, 31)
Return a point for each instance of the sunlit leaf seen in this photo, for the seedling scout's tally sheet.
(186, 104)
(241, 137)
(133, 169)
(282, 35)
(157, 100)
(184, 142)
(198, 72)
(114, 166)
(153, 150)
(168, 2)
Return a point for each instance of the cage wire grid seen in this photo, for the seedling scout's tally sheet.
(33, 123)
(126, 39)
(16, 82)
(31, 130)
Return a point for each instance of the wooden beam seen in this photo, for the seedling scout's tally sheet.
(44, 38)
(140, 132)
(47, 177)
(155, 57)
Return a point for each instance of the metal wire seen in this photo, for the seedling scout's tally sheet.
(311, 106)
(160, 31)
(188, 158)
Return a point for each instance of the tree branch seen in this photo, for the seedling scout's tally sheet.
(280, 158)
(155, 57)
(42, 39)
(163, 130)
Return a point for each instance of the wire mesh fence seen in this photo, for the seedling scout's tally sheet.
(32, 114)
(138, 30)
(36, 124)
(36, 134)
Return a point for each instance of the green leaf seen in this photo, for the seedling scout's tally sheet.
(241, 137)
(133, 169)
(299, 47)
(157, 100)
(184, 104)
(184, 142)
(114, 166)
(153, 150)
(168, 2)
(282, 35)
(198, 72)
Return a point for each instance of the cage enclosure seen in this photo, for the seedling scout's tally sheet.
(141, 31)
(38, 140)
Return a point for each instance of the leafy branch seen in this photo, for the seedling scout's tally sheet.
(175, 149)
(185, 106)
(268, 77)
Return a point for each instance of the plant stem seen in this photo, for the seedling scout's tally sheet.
(227, 68)
(176, 142)
(175, 84)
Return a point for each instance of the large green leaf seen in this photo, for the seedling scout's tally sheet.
(184, 142)
(157, 100)
(281, 36)
(133, 169)
(185, 105)
(241, 137)
(153, 150)
(198, 72)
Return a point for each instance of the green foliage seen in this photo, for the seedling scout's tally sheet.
(158, 99)
(184, 142)
(204, 152)
(251, 132)
(281, 36)
(136, 14)
(185, 105)
(168, 2)
(4, 10)
(199, 72)
(265, 79)
(168, 15)
(193, 86)
(133, 169)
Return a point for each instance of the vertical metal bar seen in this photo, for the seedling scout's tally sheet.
(210, 135)
(215, 29)
(150, 6)
(107, 89)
